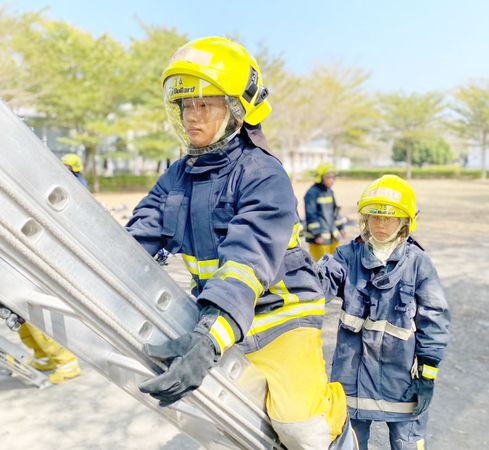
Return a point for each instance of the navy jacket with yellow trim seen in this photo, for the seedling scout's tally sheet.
(232, 215)
(323, 217)
(390, 315)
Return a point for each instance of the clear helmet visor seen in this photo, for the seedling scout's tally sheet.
(203, 117)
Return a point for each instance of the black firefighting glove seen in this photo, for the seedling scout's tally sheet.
(423, 385)
(421, 390)
(13, 320)
(190, 357)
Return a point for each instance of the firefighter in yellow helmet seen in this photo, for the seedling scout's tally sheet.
(394, 320)
(74, 163)
(325, 227)
(228, 208)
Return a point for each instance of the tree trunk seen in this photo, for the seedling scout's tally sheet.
(96, 183)
(409, 160)
(483, 156)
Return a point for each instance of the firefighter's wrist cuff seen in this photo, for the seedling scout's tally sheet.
(222, 334)
(221, 328)
(427, 368)
(429, 372)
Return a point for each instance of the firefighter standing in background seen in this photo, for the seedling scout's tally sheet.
(324, 224)
(394, 320)
(74, 163)
(228, 207)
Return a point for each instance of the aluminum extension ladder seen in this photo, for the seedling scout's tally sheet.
(70, 269)
(15, 359)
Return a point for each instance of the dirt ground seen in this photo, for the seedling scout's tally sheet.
(453, 227)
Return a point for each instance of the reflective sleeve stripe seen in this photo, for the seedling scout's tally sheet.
(241, 272)
(295, 239)
(336, 234)
(420, 444)
(281, 290)
(313, 225)
(429, 372)
(223, 333)
(193, 283)
(386, 327)
(354, 322)
(203, 269)
(339, 222)
(380, 405)
(325, 199)
(281, 315)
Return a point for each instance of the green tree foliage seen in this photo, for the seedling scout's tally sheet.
(19, 86)
(339, 109)
(471, 122)
(85, 79)
(153, 137)
(433, 151)
(411, 119)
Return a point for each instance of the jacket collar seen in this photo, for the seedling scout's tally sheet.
(215, 160)
(370, 261)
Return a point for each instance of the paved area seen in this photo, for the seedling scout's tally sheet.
(90, 413)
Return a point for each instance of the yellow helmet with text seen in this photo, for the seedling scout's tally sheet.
(217, 66)
(389, 196)
(323, 169)
(73, 161)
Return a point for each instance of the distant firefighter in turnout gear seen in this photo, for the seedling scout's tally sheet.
(324, 224)
(228, 208)
(394, 319)
(74, 163)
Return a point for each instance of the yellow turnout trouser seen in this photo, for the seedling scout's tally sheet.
(317, 251)
(44, 346)
(298, 388)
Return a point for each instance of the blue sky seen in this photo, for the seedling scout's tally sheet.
(409, 46)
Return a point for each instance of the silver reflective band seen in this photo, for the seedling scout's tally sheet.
(383, 326)
(380, 405)
(386, 327)
(354, 322)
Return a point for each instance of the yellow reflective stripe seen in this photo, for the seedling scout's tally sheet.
(354, 322)
(386, 327)
(313, 225)
(203, 269)
(339, 222)
(429, 372)
(380, 405)
(207, 268)
(223, 333)
(325, 199)
(241, 272)
(420, 445)
(281, 290)
(193, 283)
(191, 263)
(295, 240)
(10, 359)
(281, 315)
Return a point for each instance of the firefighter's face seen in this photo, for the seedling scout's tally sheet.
(329, 179)
(203, 118)
(382, 227)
